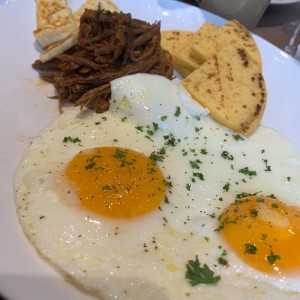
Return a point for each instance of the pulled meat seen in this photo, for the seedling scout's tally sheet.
(110, 45)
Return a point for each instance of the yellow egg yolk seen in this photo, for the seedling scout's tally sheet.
(116, 182)
(264, 233)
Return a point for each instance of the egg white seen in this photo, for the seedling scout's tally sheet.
(145, 257)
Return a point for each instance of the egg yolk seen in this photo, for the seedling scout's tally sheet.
(116, 182)
(264, 233)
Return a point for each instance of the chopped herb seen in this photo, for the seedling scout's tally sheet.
(213, 215)
(268, 168)
(91, 165)
(195, 164)
(188, 186)
(260, 200)
(163, 118)
(244, 194)
(203, 151)
(150, 132)
(222, 261)
(107, 188)
(155, 126)
(254, 212)
(149, 138)
(226, 155)
(250, 249)
(226, 187)
(71, 140)
(198, 175)
(272, 257)
(159, 155)
(170, 140)
(247, 171)
(177, 112)
(166, 200)
(184, 152)
(288, 178)
(140, 128)
(196, 274)
(119, 153)
(237, 137)
(263, 236)
(168, 182)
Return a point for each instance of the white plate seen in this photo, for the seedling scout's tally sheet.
(25, 110)
(280, 2)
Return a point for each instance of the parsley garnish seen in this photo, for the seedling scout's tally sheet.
(237, 137)
(222, 261)
(272, 257)
(119, 153)
(72, 140)
(196, 274)
(91, 163)
(198, 175)
(155, 126)
(140, 128)
(159, 155)
(263, 237)
(247, 171)
(203, 151)
(106, 188)
(168, 182)
(171, 140)
(195, 164)
(177, 112)
(226, 187)
(268, 167)
(250, 249)
(254, 212)
(226, 155)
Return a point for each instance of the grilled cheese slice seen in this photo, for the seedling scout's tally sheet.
(230, 33)
(55, 22)
(59, 47)
(231, 86)
(184, 60)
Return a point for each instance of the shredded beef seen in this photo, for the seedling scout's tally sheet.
(110, 45)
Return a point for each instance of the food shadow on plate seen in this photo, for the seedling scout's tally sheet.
(49, 287)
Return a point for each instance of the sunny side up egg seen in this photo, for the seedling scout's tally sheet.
(155, 200)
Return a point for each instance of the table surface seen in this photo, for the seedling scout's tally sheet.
(270, 26)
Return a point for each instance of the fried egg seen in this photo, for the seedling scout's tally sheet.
(155, 200)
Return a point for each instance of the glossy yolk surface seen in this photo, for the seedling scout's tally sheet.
(116, 182)
(263, 232)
